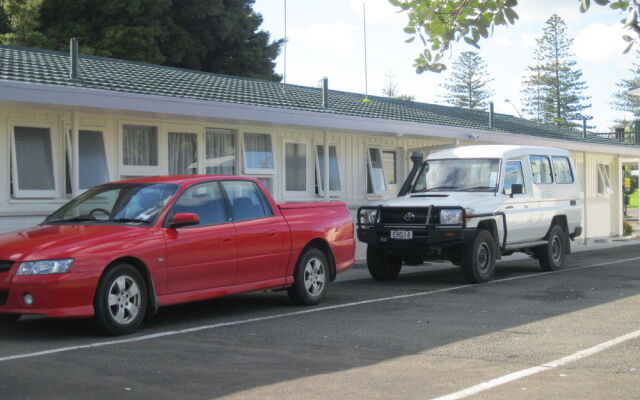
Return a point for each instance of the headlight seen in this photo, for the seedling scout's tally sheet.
(369, 215)
(45, 267)
(450, 217)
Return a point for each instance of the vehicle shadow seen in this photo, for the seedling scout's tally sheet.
(232, 359)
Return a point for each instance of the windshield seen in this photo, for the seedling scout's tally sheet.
(472, 175)
(134, 203)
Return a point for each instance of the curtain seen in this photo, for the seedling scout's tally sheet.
(183, 153)
(221, 151)
(334, 168)
(34, 158)
(296, 166)
(257, 151)
(140, 145)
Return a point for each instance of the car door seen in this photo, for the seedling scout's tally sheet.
(261, 234)
(202, 256)
(516, 206)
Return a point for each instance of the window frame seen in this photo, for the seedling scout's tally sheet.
(318, 174)
(369, 171)
(184, 130)
(237, 147)
(144, 170)
(227, 206)
(555, 177)
(524, 180)
(269, 213)
(307, 182)
(257, 171)
(603, 176)
(550, 169)
(20, 194)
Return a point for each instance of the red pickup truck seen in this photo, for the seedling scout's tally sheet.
(121, 250)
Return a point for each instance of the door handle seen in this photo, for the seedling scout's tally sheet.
(271, 234)
(508, 207)
(226, 240)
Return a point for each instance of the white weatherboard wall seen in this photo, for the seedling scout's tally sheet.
(602, 212)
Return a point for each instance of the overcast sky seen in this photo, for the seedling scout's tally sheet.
(326, 39)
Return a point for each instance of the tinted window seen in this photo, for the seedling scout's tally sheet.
(513, 174)
(562, 170)
(541, 169)
(246, 200)
(204, 199)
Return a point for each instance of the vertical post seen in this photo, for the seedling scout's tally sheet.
(73, 58)
(618, 187)
(585, 188)
(636, 126)
(325, 151)
(284, 74)
(491, 114)
(364, 22)
(75, 153)
(584, 128)
(325, 92)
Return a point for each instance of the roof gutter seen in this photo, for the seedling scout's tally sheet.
(92, 100)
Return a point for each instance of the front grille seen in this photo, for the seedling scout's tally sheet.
(393, 215)
(5, 265)
(4, 295)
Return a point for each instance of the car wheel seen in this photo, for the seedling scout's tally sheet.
(311, 278)
(9, 317)
(121, 300)
(381, 265)
(479, 259)
(551, 256)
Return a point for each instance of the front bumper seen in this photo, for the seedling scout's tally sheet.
(424, 238)
(57, 295)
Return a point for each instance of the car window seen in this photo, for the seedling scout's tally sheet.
(206, 200)
(247, 201)
(562, 170)
(513, 174)
(541, 169)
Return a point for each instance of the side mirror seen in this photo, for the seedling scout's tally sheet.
(184, 219)
(517, 188)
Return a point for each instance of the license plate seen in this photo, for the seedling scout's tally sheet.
(402, 235)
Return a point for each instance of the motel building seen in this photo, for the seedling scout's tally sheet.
(69, 122)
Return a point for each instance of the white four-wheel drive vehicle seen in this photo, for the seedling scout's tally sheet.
(471, 205)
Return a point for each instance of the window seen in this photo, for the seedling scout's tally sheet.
(220, 151)
(376, 177)
(604, 184)
(513, 174)
(32, 167)
(140, 145)
(562, 170)
(206, 200)
(295, 167)
(268, 182)
(258, 153)
(469, 175)
(247, 201)
(334, 170)
(390, 167)
(541, 169)
(183, 153)
(93, 160)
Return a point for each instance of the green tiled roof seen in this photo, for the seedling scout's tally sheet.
(48, 67)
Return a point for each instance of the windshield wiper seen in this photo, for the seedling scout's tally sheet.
(441, 188)
(478, 188)
(137, 220)
(74, 219)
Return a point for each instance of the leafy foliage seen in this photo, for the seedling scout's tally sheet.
(553, 90)
(623, 100)
(468, 85)
(441, 23)
(19, 23)
(220, 36)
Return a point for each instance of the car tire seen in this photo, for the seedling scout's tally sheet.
(311, 278)
(479, 259)
(551, 256)
(381, 265)
(9, 317)
(121, 300)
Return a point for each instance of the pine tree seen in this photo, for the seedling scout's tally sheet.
(468, 84)
(390, 89)
(623, 100)
(19, 22)
(555, 79)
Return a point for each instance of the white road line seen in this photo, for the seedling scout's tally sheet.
(514, 376)
(290, 314)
